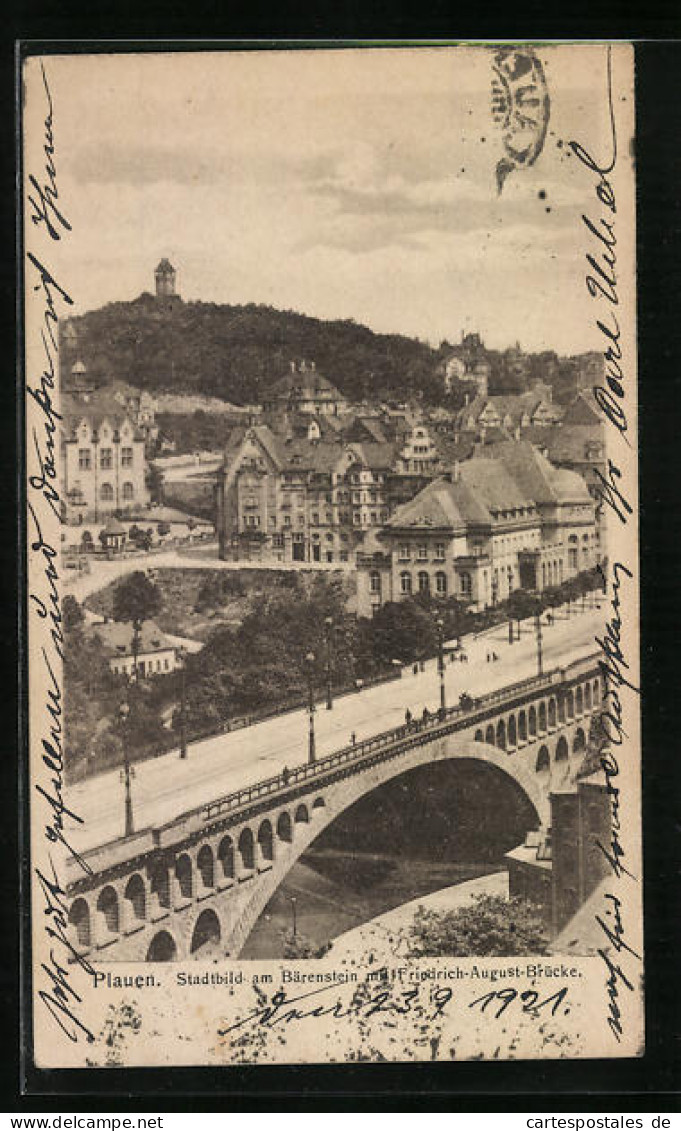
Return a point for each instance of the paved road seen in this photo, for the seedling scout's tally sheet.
(82, 585)
(165, 787)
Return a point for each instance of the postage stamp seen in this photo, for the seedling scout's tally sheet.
(331, 520)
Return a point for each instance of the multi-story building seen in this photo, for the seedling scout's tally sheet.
(467, 362)
(293, 499)
(102, 458)
(305, 390)
(515, 414)
(495, 523)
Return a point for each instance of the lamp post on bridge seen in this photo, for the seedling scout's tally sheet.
(128, 771)
(182, 656)
(328, 629)
(311, 751)
(441, 660)
(537, 628)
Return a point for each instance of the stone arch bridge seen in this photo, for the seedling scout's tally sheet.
(195, 887)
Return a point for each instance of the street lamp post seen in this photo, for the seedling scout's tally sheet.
(309, 659)
(295, 919)
(128, 771)
(182, 656)
(328, 627)
(537, 626)
(441, 660)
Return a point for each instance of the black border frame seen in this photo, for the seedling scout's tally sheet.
(639, 1084)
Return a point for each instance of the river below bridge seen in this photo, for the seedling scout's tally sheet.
(426, 830)
(335, 890)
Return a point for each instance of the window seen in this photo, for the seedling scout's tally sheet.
(357, 518)
(373, 518)
(375, 581)
(329, 518)
(403, 552)
(106, 493)
(422, 551)
(466, 584)
(126, 457)
(84, 460)
(440, 551)
(424, 582)
(301, 520)
(441, 584)
(128, 491)
(572, 551)
(106, 459)
(405, 582)
(287, 520)
(315, 519)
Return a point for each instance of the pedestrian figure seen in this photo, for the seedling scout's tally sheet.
(407, 716)
(416, 669)
(353, 738)
(285, 775)
(488, 657)
(426, 714)
(423, 665)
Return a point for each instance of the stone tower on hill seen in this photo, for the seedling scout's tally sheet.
(165, 279)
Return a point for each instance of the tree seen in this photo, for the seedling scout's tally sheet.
(490, 927)
(136, 599)
(402, 631)
(154, 481)
(521, 605)
(72, 613)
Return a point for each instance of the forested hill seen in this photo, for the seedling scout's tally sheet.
(237, 352)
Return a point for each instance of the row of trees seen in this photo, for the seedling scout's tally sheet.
(263, 663)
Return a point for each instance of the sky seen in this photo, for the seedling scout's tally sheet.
(342, 184)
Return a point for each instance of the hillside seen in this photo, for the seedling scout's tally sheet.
(236, 352)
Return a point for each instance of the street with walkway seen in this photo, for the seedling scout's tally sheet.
(165, 787)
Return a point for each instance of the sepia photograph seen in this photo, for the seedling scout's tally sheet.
(333, 597)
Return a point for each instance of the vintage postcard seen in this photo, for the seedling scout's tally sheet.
(331, 519)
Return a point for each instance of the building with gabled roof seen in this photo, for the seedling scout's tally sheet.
(305, 389)
(287, 497)
(156, 653)
(102, 451)
(503, 520)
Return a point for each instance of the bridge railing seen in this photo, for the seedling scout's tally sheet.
(358, 751)
(196, 819)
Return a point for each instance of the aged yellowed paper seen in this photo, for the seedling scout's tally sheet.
(330, 372)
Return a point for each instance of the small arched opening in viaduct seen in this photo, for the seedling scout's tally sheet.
(207, 932)
(162, 948)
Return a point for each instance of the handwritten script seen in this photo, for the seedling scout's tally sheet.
(612, 397)
(48, 224)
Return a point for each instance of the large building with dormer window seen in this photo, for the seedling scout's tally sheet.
(502, 521)
(103, 460)
(286, 497)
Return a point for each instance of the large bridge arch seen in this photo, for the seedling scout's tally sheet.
(342, 794)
